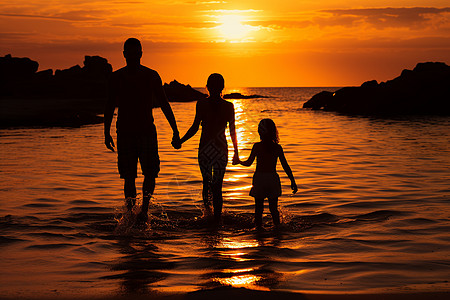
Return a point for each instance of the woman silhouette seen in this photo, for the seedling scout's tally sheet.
(213, 113)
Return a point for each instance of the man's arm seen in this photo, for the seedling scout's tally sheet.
(233, 136)
(168, 113)
(108, 116)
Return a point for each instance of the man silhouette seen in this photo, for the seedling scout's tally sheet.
(135, 90)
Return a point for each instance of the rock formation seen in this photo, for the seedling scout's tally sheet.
(423, 90)
(240, 96)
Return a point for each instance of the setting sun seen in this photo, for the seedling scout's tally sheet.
(232, 27)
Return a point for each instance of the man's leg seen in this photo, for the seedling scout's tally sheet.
(149, 160)
(148, 187)
(129, 189)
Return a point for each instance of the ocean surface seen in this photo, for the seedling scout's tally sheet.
(372, 212)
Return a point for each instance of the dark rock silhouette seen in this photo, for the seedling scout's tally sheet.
(423, 90)
(69, 97)
(15, 68)
(240, 96)
(177, 92)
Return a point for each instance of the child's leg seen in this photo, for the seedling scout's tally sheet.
(259, 208)
(273, 206)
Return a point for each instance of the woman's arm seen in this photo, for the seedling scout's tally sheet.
(194, 127)
(250, 159)
(288, 170)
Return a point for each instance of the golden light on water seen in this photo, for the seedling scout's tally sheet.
(241, 188)
(235, 249)
(246, 280)
(236, 178)
(231, 244)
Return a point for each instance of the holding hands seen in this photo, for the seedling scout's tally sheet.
(176, 141)
(294, 187)
(109, 142)
(236, 159)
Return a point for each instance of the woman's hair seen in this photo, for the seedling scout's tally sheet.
(215, 83)
(268, 130)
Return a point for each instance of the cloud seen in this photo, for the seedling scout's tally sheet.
(388, 17)
(201, 25)
(378, 18)
(280, 24)
(75, 15)
(13, 36)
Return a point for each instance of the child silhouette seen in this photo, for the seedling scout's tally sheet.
(266, 182)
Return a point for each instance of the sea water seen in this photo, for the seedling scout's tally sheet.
(372, 212)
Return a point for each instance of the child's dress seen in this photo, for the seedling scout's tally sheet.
(266, 185)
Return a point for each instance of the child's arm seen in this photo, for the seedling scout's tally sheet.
(250, 159)
(288, 170)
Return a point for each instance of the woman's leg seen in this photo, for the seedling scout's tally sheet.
(217, 182)
(206, 171)
(259, 208)
(273, 206)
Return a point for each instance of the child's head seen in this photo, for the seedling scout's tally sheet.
(268, 131)
(215, 83)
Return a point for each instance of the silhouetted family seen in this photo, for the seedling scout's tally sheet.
(136, 89)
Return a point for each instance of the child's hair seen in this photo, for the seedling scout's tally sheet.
(215, 83)
(268, 130)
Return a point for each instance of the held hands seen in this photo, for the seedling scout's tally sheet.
(176, 142)
(236, 159)
(294, 187)
(109, 142)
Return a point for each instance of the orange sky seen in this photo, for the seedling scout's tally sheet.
(251, 42)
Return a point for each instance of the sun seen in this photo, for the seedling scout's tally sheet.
(232, 27)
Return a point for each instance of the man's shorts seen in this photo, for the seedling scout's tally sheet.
(132, 147)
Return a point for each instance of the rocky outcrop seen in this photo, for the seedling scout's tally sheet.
(423, 90)
(19, 79)
(69, 97)
(240, 96)
(177, 92)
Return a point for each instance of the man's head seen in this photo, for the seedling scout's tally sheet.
(132, 51)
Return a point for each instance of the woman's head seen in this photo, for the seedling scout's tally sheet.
(268, 130)
(215, 83)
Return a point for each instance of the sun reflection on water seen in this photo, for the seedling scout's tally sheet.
(231, 244)
(247, 280)
(236, 250)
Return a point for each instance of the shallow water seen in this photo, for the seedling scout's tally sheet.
(372, 212)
